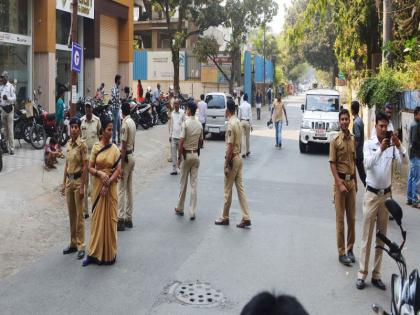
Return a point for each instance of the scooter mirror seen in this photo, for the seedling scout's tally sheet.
(395, 210)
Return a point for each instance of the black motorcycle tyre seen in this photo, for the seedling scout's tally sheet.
(38, 136)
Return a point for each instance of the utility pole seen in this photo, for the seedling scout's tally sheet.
(387, 29)
(265, 89)
(74, 40)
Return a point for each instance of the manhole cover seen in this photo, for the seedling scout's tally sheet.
(196, 293)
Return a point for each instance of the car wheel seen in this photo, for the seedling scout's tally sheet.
(303, 148)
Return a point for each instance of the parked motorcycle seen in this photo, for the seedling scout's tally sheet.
(405, 291)
(22, 126)
(141, 114)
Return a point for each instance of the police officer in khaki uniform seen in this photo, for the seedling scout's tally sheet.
(90, 129)
(190, 142)
(125, 186)
(342, 162)
(7, 102)
(73, 188)
(233, 169)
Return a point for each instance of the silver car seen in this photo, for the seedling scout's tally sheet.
(216, 108)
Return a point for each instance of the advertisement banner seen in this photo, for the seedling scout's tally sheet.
(160, 67)
(86, 8)
(211, 74)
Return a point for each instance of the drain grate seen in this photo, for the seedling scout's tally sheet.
(196, 293)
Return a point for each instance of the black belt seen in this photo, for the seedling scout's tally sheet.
(245, 119)
(191, 151)
(345, 176)
(379, 192)
(74, 176)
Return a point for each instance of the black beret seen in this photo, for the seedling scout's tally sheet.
(75, 121)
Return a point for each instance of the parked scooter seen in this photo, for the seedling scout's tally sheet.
(405, 292)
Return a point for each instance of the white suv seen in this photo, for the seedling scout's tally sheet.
(216, 108)
(320, 118)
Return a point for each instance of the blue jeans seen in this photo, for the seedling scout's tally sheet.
(279, 126)
(116, 124)
(413, 180)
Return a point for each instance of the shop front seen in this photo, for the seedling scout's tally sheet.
(16, 45)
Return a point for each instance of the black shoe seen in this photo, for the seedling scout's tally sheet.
(128, 224)
(12, 152)
(391, 218)
(409, 203)
(87, 261)
(86, 216)
(344, 260)
(360, 284)
(379, 284)
(174, 173)
(248, 153)
(121, 225)
(192, 218)
(69, 250)
(350, 255)
(243, 156)
(81, 254)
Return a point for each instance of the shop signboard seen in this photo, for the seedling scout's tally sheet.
(86, 8)
(15, 39)
(211, 74)
(160, 67)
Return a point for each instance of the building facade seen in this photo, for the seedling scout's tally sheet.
(35, 45)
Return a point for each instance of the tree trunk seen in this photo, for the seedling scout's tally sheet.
(175, 62)
(334, 74)
(387, 27)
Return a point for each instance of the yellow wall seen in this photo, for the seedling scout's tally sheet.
(44, 26)
(126, 35)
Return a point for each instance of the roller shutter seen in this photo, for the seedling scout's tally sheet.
(109, 51)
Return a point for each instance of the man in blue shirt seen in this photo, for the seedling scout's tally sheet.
(59, 112)
(414, 172)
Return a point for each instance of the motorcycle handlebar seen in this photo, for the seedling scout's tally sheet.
(383, 238)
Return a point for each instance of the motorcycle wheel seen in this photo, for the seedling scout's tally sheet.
(27, 133)
(144, 125)
(164, 119)
(63, 139)
(38, 137)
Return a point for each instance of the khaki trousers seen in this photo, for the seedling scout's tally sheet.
(246, 131)
(125, 191)
(345, 203)
(189, 167)
(7, 123)
(75, 207)
(374, 211)
(174, 152)
(235, 176)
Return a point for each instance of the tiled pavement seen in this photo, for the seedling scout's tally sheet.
(25, 155)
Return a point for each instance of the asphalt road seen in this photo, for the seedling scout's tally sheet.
(289, 249)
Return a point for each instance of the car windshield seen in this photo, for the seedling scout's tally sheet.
(215, 101)
(322, 103)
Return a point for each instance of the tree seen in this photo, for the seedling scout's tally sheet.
(208, 48)
(202, 13)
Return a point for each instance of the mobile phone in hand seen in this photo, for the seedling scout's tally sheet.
(388, 135)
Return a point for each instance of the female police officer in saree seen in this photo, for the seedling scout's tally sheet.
(105, 168)
(73, 187)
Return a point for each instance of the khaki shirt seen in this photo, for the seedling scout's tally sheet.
(278, 111)
(192, 133)
(128, 132)
(234, 134)
(77, 152)
(90, 130)
(343, 153)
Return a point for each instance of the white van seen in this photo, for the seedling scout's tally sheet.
(216, 108)
(320, 118)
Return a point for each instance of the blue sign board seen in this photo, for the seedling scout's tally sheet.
(76, 57)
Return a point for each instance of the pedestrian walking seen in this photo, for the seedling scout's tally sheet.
(170, 108)
(73, 187)
(343, 168)
(233, 169)
(116, 102)
(379, 152)
(277, 117)
(177, 119)
(359, 136)
(269, 95)
(202, 114)
(258, 103)
(7, 103)
(105, 167)
(245, 117)
(189, 160)
(125, 186)
(156, 95)
(414, 154)
(90, 132)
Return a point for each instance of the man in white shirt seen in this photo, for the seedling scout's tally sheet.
(202, 112)
(177, 118)
(245, 117)
(379, 152)
(388, 113)
(7, 102)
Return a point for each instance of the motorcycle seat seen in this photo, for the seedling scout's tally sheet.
(51, 116)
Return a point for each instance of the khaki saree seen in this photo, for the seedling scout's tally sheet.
(103, 227)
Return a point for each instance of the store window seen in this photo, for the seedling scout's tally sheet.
(14, 16)
(63, 25)
(14, 59)
(63, 59)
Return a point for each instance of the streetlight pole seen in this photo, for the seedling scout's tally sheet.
(74, 40)
(265, 89)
